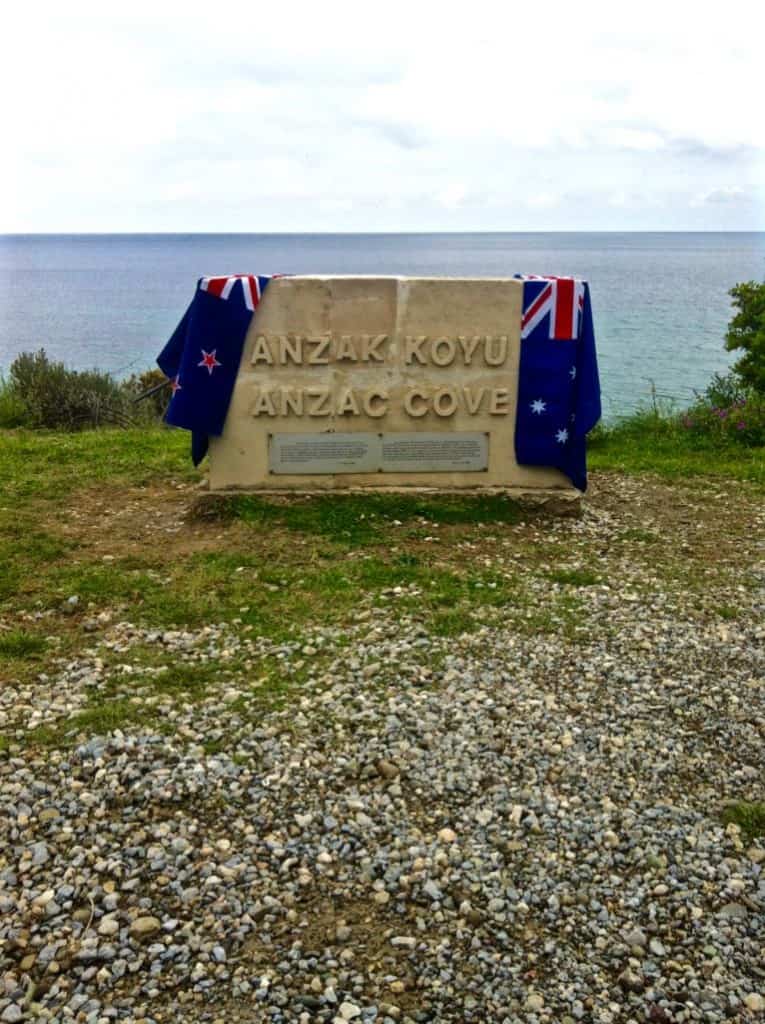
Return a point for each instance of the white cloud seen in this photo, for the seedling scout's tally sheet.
(725, 194)
(188, 116)
(452, 196)
(543, 200)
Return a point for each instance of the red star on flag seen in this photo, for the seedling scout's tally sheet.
(209, 361)
(175, 384)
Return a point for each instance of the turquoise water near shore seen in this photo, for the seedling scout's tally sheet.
(660, 299)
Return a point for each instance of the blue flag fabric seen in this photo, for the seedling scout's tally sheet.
(558, 384)
(203, 354)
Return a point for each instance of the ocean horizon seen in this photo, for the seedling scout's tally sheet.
(110, 300)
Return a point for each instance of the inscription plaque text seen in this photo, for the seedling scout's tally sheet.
(362, 452)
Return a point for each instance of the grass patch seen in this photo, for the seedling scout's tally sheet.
(453, 623)
(48, 465)
(278, 596)
(290, 563)
(750, 818)
(19, 644)
(573, 577)
(636, 534)
(649, 442)
(562, 615)
(25, 551)
(142, 698)
(187, 681)
(103, 584)
(360, 519)
(275, 567)
(99, 719)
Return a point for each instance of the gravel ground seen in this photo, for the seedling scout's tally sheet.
(498, 827)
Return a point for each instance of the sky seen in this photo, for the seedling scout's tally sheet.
(416, 116)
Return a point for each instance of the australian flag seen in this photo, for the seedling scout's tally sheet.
(558, 385)
(202, 356)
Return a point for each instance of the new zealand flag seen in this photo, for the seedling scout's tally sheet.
(202, 356)
(558, 385)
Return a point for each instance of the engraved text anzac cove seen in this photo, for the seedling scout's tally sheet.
(346, 350)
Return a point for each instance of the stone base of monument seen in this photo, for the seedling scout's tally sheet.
(351, 384)
(546, 500)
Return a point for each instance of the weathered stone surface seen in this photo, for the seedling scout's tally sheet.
(356, 357)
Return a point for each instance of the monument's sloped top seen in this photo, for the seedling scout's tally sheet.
(514, 279)
(395, 277)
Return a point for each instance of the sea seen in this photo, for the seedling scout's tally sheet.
(660, 300)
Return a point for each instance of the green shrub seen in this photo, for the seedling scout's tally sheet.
(725, 390)
(13, 411)
(155, 405)
(746, 331)
(56, 397)
(728, 413)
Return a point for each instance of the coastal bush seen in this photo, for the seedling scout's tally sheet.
(154, 406)
(649, 442)
(47, 394)
(724, 390)
(13, 411)
(746, 331)
(727, 414)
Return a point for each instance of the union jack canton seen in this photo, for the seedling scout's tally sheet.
(202, 357)
(560, 301)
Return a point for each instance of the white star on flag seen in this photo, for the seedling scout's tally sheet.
(572, 372)
(538, 406)
(562, 436)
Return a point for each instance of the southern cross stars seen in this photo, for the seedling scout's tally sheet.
(572, 373)
(209, 361)
(175, 384)
(538, 406)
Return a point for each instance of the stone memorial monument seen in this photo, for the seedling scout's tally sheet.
(379, 383)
